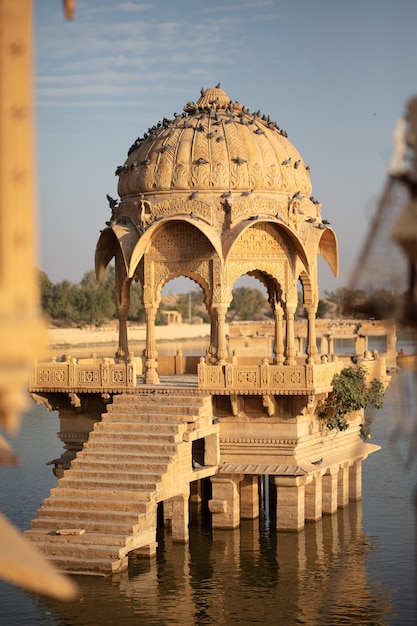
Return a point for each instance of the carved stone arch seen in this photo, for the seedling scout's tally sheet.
(186, 272)
(308, 292)
(262, 250)
(181, 249)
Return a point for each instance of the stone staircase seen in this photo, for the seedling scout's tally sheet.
(105, 505)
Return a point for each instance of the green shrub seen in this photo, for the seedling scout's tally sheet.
(351, 392)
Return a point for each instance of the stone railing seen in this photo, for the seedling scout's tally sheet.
(287, 379)
(70, 374)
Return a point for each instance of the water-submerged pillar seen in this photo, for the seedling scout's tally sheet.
(343, 486)
(180, 516)
(313, 499)
(249, 498)
(225, 501)
(290, 502)
(355, 481)
(330, 482)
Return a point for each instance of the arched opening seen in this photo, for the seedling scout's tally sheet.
(251, 315)
(182, 326)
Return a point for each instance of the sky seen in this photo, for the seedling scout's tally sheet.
(335, 75)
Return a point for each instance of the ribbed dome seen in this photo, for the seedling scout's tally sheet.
(215, 145)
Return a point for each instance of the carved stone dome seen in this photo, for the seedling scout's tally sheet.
(214, 146)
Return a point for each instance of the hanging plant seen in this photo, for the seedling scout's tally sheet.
(351, 392)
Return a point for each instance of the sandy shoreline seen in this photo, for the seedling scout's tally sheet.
(65, 337)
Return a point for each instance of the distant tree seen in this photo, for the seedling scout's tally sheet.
(323, 309)
(249, 304)
(136, 312)
(46, 288)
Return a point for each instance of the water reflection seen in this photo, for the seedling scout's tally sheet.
(246, 576)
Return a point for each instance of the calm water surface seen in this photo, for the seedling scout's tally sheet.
(354, 568)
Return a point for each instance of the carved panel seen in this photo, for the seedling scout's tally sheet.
(178, 206)
(261, 240)
(180, 241)
(258, 205)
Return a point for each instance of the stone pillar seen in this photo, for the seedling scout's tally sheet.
(249, 498)
(212, 350)
(278, 336)
(290, 502)
(221, 333)
(324, 344)
(329, 483)
(290, 349)
(225, 502)
(122, 302)
(311, 348)
(331, 344)
(361, 344)
(180, 516)
(313, 499)
(151, 363)
(343, 486)
(355, 481)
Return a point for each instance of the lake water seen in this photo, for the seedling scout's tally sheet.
(355, 568)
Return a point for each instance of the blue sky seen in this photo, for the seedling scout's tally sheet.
(335, 75)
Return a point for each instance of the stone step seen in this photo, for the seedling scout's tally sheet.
(122, 475)
(138, 426)
(143, 462)
(146, 417)
(116, 495)
(107, 482)
(134, 435)
(150, 408)
(116, 514)
(124, 445)
(96, 525)
(130, 507)
(100, 551)
(105, 539)
(74, 565)
(161, 399)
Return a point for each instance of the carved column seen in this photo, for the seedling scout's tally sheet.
(221, 332)
(122, 302)
(278, 335)
(290, 502)
(290, 349)
(311, 348)
(151, 355)
(212, 351)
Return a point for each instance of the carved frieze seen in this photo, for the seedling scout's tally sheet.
(258, 205)
(183, 206)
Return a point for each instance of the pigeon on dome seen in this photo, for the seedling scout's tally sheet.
(213, 97)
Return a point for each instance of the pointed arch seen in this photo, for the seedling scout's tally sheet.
(285, 232)
(145, 242)
(328, 249)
